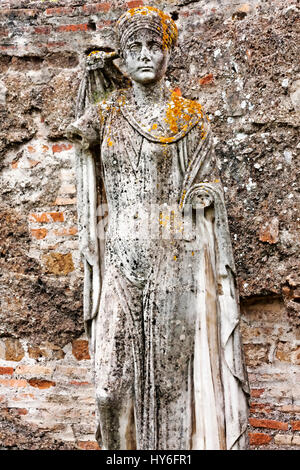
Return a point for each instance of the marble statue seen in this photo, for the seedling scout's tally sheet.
(160, 301)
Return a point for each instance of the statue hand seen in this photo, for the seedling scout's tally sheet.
(98, 59)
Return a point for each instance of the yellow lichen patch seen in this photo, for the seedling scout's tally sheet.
(109, 142)
(182, 198)
(169, 28)
(180, 109)
(166, 140)
(174, 258)
(164, 220)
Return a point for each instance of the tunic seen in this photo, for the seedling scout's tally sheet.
(164, 323)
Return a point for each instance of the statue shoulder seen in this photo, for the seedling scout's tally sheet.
(190, 107)
(182, 114)
(113, 101)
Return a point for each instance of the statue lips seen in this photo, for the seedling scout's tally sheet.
(146, 68)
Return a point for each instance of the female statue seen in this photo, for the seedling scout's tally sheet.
(160, 302)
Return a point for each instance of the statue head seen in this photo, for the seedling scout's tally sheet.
(146, 37)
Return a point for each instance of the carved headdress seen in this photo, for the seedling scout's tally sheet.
(150, 18)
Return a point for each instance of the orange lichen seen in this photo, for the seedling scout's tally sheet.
(177, 91)
(182, 198)
(92, 53)
(169, 28)
(179, 109)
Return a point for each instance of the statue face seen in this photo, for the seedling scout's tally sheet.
(145, 58)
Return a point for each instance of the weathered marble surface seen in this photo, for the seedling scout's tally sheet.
(160, 302)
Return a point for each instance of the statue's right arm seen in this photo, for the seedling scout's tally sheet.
(85, 131)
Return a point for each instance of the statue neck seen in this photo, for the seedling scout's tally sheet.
(149, 95)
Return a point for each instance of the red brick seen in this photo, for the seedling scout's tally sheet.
(268, 423)
(257, 392)
(296, 440)
(56, 148)
(21, 411)
(64, 232)
(283, 439)
(67, 189)
(42, 30)
(96, 7)
(80, 349)
(13, 382)
(103, 24)
(290, 408)
(269, 231)
(88, 445)
(57, 216)
(64, 201)
(70, 28)
(42, 384)
(47, 217)
(261, 408)
(135, 3)
(75, 382)
(207, 80)
(59, 11)
(33, 370)
(295, 425)
(26, 396)
(19, 12)
(6, 370)
(258, 438)
(39, 233)
(7, 48)
(33, 163)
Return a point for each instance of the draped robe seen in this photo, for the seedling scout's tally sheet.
(160, 300)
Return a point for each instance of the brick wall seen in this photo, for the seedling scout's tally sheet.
(272, 356)
(48, 388)
(240, 60)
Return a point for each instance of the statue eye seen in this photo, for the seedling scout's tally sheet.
(135, 47)
(155, 46)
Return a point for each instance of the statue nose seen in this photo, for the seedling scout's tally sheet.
(145, 53)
